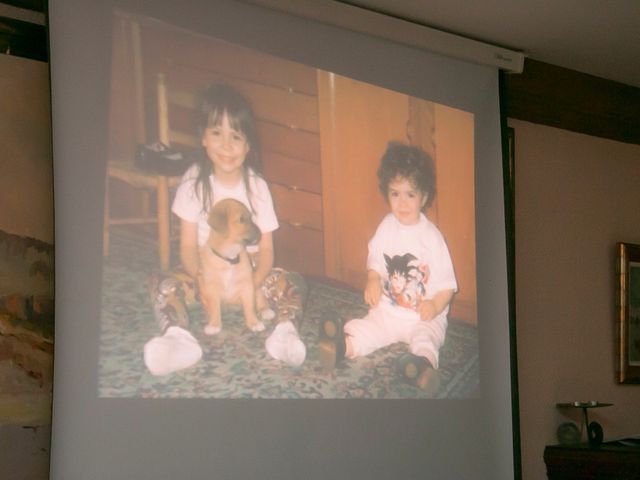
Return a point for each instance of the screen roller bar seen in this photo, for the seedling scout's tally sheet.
(401, 31)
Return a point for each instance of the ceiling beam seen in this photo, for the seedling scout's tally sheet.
(563, 98)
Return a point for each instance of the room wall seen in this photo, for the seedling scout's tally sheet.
(26, 173)
(576, 196)
(26, 227)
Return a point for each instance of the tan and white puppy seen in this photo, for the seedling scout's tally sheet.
(227, 274)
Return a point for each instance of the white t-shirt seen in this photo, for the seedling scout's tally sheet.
(412, 260)
(188, 206)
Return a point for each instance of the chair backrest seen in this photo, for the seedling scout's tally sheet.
(175, 115)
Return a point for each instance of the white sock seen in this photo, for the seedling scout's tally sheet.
(267, 314)
(285, 345)
(175, 350)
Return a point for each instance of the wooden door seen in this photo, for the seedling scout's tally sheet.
(454, 209)
(356, 122)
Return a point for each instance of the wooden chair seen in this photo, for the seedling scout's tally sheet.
(153, 184)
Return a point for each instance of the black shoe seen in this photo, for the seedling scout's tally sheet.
(331, 341)
(419, 372)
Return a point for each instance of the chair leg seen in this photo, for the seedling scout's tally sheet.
(163, 222)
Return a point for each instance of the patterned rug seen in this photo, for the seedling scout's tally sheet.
(235, 363)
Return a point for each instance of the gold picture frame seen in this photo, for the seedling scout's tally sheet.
(628, 313)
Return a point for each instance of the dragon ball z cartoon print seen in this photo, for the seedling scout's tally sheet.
(406, 280)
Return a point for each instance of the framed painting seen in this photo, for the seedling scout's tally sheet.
(628, 314)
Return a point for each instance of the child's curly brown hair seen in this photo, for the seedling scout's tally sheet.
(410, 162)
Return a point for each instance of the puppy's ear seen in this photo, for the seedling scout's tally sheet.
(219, 219)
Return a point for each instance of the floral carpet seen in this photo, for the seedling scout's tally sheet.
(235, 363)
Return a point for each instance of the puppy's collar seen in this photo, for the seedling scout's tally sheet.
(231, 261)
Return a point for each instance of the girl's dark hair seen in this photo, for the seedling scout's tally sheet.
(410, 162)
(215, 102)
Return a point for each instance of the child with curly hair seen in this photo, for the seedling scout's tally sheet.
(410, 281)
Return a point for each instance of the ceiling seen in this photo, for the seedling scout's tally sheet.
(598, 37)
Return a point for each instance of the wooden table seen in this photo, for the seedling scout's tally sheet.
(609, 461)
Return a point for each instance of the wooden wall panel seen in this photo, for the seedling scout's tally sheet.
(173, 48)
(288, 241)
(357, 120)
(298, 208)
(298, 144)
(570, 100)
(455, 202)
(296, 174)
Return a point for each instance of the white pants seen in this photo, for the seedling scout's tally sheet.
(386, 324)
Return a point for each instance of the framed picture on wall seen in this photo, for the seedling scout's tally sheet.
(628, 318)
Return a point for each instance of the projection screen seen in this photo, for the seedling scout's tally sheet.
(326, 102)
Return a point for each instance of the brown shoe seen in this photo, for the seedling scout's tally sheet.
(331, 341)
(419, 372)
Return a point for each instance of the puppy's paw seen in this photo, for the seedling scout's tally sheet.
(212, 329)
(267, 314)
(257, 326)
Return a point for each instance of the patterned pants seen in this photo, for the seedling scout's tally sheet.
(171, 293)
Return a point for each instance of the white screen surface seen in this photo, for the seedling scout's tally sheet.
(223, 436)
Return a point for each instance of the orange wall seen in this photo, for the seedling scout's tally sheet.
(576, 196)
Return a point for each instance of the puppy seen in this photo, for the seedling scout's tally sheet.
(227, 275)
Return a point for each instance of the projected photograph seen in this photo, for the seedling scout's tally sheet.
(275, 230)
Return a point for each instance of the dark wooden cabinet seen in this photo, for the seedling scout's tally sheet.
(609, 461)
